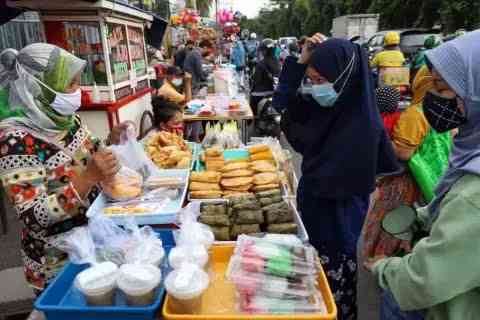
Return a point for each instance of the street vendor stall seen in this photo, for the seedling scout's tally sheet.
(110, 36)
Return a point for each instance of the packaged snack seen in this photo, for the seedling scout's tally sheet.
(214, 220)
(288, 228)
(206, 194)
(249, 217)
(139, 283)
(244, 229)
(125, 185)
(221, 233)
(186, 286)
(214, 209)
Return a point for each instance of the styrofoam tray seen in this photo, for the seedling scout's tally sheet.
(166, 215)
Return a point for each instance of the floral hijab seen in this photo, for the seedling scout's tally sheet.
(28, 81)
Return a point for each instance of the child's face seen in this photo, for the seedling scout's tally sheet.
(175, 124)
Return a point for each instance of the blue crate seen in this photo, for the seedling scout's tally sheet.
(62, 301)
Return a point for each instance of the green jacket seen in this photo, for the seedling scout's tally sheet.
(442, 274)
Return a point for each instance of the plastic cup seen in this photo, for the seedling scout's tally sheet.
(186, 286)
(98, 283)
(139, 282)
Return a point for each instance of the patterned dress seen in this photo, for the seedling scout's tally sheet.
(36, 175)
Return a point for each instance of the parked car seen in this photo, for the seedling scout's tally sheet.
(411, 40)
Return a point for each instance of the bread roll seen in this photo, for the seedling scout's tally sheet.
(206, 176)
(203, 186)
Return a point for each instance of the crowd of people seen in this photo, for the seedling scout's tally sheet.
(362, 157)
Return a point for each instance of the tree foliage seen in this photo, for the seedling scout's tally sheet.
(305, 17)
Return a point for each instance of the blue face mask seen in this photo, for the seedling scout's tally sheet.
(325, 94)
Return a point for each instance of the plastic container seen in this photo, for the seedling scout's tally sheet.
(61, 300)
(138, 283)
(98, 284)
(219, 300)
(186, 286)
(196, 254)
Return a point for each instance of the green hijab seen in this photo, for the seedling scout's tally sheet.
(30, 79)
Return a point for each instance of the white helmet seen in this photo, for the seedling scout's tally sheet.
(253, 36)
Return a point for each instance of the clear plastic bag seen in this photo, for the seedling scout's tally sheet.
(109, 239)
(192, 232)
(125, 185)
(145, 246)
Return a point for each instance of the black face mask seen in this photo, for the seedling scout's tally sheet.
(442, 113)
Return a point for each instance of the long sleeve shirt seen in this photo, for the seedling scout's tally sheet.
(441, 275)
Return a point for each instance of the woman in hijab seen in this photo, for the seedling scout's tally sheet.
(440, 276)
(48, 166)
(335, 125)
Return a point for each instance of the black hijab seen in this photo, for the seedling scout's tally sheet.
(344, 147)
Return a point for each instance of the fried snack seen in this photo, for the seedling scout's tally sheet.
(228, 193)
(249, 217)
(244, 229)
(206, 176)
(221, 233)
(215, 220)
(265, 187)
(267, 155)
(285, 228)
(233, 166)
(164, 182)
(214, 152)
(214, 165)
(244, 188)
(263, 166)
(206, 194)
(236, 182)
(258, 148)
(203, 186)
(238, 173)
(184, 163)
(265, 178)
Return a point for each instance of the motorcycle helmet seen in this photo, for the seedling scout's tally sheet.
(392, 38)
(253, 36)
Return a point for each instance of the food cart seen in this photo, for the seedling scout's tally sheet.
(110, 36)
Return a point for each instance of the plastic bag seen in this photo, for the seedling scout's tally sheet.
(125, 185)
(192, 232)
(145, 246)
(79, 245)
(109, 239)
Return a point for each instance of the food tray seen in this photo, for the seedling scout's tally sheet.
(167, 214)
(62, 301)
(218, 301)
(301, 230)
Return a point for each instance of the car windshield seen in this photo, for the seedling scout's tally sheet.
(415, 40)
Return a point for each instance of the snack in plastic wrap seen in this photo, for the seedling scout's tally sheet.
(258, 148)
(215, 220)
(268, 201)
(139, 283)
(195, 254)
(266, 305)
(192, 232)
(213, 209)
(206, 176)
(221, 233)
(244, 229)
(249, 217)
(269, 194)
(98, 284)
(237, 199)
(281, 216)
(186, 286)
(164, 182)
(125, 185)
(247, 205)
(288, 228)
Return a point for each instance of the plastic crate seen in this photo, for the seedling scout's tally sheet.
(219, 299)
(62, 301)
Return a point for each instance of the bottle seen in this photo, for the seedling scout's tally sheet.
(95, 93)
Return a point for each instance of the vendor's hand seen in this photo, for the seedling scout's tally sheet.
(370, 263)
(102, 166)
(310, 46)
(119, 132)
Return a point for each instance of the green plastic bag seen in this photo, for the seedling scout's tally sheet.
(5, 110)
(430, 161)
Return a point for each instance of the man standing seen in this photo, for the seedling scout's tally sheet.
(193, 64)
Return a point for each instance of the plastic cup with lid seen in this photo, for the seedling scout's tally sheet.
(98, 284)
(138, 283)
(196, 254)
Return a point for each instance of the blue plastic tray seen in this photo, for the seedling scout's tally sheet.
(62, 301)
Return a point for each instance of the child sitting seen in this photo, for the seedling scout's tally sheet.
(167, 116)
(388, 99)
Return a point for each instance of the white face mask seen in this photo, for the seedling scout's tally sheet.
(67, 104)
(177, 82)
